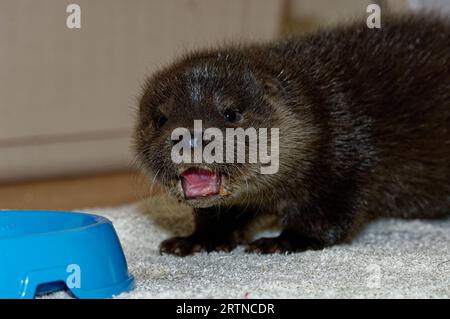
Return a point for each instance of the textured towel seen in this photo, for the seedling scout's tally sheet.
(389, 259)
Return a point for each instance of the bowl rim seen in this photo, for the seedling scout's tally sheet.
(96, 220)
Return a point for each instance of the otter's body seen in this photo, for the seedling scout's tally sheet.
(364, 119)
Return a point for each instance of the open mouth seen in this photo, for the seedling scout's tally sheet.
(200, 183)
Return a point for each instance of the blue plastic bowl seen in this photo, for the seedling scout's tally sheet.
(42, 252)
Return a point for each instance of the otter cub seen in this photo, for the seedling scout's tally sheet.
(364, 131)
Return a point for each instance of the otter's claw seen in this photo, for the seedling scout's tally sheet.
(183, 246)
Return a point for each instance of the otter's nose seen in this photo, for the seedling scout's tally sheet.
(196, 140)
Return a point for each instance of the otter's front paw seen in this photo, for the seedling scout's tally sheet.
(282, 244)
(183, 246)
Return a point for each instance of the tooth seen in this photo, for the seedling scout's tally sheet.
(223, 191)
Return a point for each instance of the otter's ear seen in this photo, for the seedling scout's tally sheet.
(271, 86)
(266, 83)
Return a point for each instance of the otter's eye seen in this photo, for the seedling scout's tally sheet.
(231, 116)
(161, 121)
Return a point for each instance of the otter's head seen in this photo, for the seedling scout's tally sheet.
(223, 91)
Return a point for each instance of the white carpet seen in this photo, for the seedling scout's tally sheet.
(390, 259)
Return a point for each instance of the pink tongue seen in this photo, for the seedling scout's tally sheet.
(199, 182)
